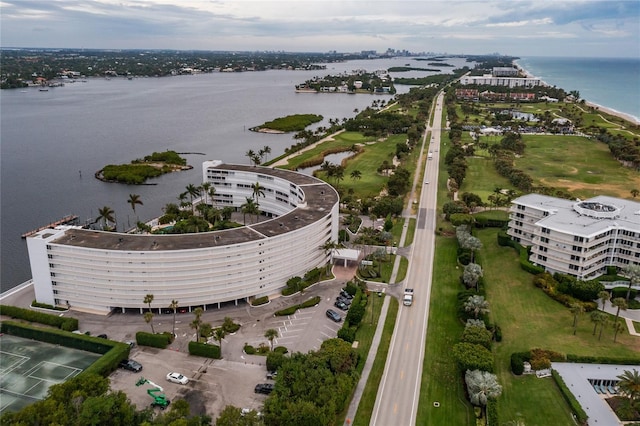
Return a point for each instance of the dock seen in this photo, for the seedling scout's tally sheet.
(64, 221)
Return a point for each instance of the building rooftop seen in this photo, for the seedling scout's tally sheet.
(585, 217)
(320, 198)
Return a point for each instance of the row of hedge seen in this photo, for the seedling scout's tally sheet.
(292, 309)
(112, 352)
(205, 350)
(580, 414)
(63, 323)
(157, 340)
(505, 240)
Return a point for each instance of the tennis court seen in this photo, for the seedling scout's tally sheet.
(29, 367)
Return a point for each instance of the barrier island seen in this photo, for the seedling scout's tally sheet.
(140, 170)
(290, 123)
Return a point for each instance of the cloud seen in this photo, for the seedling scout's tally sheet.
(348, 25)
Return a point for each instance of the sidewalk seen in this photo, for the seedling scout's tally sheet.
(357, 394)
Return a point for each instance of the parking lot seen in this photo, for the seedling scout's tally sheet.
(214, 384)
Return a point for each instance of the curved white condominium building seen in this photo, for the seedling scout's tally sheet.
(99, 272)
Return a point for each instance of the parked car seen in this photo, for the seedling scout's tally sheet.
(271, 375)
(340, 305)
(177, 378)
(346, 295)
(264, 388)
(333, 315)
(343, 300)
(131, 365)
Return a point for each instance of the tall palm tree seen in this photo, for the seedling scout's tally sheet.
(619, 303)
(250, 154)
(148, 299)
(249, 208)
(193, 191)
(328, 247)
(204, 189)
(148, 317)
(576, 309)
(633, 273)
(629, 385)
(597, 318)
(258, 191)
(197, 322)
(106, 214)
(134, 199)
(356, 175)
(604, 296)
(266, 150)
(271, 334)
(174, 307)
(212, 193)
(219, 334)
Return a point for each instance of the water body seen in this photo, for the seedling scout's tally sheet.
(609, 82)
(53, 142)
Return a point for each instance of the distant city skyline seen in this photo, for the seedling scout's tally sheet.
(573, 28)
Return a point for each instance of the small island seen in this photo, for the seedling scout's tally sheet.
(290, 123)
(140, 170)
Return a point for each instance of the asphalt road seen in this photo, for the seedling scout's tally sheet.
(399, 391)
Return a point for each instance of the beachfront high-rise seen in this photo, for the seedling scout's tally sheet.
(577, 237)
(99, 272)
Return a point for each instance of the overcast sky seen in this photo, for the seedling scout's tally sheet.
(511, 27)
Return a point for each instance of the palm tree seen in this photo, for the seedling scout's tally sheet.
(249, 208)
(133, 200)
(356, 175)
(148, 317)
(597, 318)
(477, 305)
(106, 215)
(218, 335)
(604, 296)
(617, 327)
(629, 385)
(258, 191)
(271, 334)
(471, 275)
(266, 150)
(174, 306)
(328, 247)
(212, 193)
(250, 154)
(620, 303)
(481, 385)
(204, 189)
(193, 191)
(197, 322)
(635, 192)
(576, 309)
(633, 273)
(148, 299)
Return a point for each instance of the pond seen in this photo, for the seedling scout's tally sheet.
(331, 158)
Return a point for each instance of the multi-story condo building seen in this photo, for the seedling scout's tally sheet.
(99, 272)
(490, 80)
(579, 238)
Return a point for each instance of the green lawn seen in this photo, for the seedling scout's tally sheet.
(482, 178)
(367, 402)
(530, 319)
(581, 165)
(441, 380)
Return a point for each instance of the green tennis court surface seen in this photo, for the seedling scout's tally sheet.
(28, 368)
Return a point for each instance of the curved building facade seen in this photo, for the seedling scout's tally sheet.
(99, 272)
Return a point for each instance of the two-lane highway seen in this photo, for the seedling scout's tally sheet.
(399, 391)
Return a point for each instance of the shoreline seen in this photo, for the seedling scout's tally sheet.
(633, 120)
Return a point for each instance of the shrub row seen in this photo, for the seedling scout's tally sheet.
(622, 292)
(551, 288)
(63, 323)
(602, 359)
(292, 309)
(260, 301)
(579, 413)
(112, 352)
(492, 412)
(36, 304)
(160, 340)
(202, 349)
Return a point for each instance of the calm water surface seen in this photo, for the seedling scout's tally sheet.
(53, 142)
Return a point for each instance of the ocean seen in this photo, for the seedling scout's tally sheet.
(53, 142)
(610, 82)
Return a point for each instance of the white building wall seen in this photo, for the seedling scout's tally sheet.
(99, 279)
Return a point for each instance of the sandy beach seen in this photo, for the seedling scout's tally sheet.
(631, 119)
